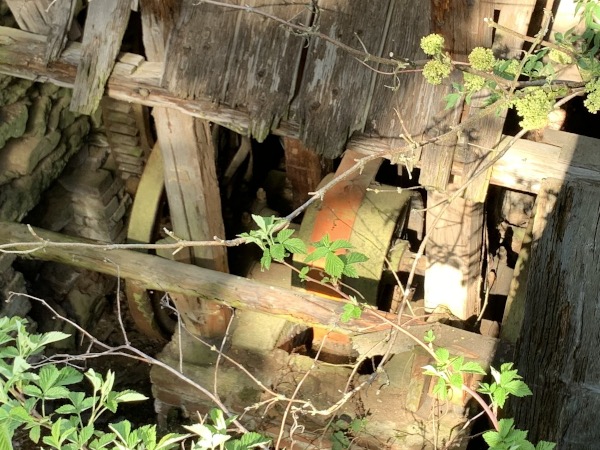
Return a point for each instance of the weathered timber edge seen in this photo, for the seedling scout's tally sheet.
(165, 275)
(523, 168)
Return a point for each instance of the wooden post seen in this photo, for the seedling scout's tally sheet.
(452, 276)
(190, 178)
(557, 351)
(105, 27)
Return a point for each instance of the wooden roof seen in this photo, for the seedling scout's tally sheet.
(237, 64)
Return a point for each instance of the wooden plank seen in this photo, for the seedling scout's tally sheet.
(557, 351)
(191, 179)
(394, 97)
(336, 89)
(453, 273)
(263, 64)
(522, 168)
(304, 168)
(515, 16)
(31, 15)
(105, 26)
(60, 19)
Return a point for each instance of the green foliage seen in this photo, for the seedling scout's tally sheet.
(29, 395)
(532, 103)
(449, 373)
(352, 310)
(339, 259)
(212, 433)
(344, 431)
(435, 71)
(534, 107)
(592, 102)
(482, 59)
(506, 382)
(509, 438)
(432, 44)
(275, 247)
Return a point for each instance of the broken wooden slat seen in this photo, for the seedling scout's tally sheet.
(336, 89)
(263, 63)
(557, 350)
(104, 29)
(158, 19)
(60, 18)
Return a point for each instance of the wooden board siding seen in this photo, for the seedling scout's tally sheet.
(336, 87)
(238, 58)
(557, 352)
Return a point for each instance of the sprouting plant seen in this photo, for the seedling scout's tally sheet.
(449, 372)
(274, 240)
(344, 430)
(40, 398)
(211, 433)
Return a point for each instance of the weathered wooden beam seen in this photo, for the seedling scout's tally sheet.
(60, 17)
(104, 30)
(31, 15)
(162, 274)
(557, 350)
(522, 168)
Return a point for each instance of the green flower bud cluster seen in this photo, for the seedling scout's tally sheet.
(513, 67)
(435, 71)
(534, 108)
(473, 83)
(482, 59)
(592, 102)
(432, 44)
(559, 57)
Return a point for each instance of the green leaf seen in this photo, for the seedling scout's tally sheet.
(350, 271)
(351, 312)
(56, 392)
(355, 257)
(452, 100)
(52, 336)
(317, 254)
(443, 355)
(339, 244)
(333, 265)
(260, 221)
(456, 380)
(278, 252)
(303, 273)
(130, 396)
(440, 389)
(102, 441)
(517, 388)
(545, 445)
(429, 337)
(34, 434)
(472, 367)
(250, 440)
(95, 379)
(284, 235)
(265, 261)
(295, 246)
(170, 441)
